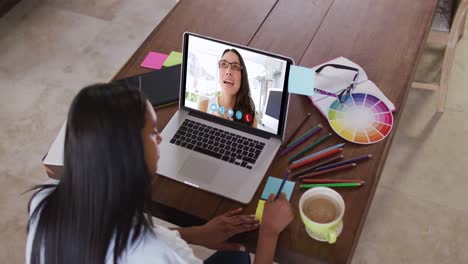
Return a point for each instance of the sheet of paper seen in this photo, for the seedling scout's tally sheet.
(174, 58)
(301, 80)
(272, 186)
(154, 60)
(55, 154)
(259, 211)
(335, 80)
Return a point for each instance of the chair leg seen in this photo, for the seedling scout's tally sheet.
(446, 70)
(455, 33)
(462, 28)
(442, 97)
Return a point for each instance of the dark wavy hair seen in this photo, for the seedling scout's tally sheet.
(244, 102)
(103, 192)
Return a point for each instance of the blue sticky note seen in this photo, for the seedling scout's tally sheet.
(301, 80)
(272, 186)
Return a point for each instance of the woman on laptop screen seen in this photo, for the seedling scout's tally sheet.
(98, 211)
(235, 102)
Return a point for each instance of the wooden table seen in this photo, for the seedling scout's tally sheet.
(385, 37)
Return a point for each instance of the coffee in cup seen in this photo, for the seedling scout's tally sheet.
(322, 211)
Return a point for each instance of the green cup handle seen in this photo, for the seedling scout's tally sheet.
(332, 235)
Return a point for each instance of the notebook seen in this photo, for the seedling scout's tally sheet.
(161, 87)
(335, 80)
(365, 117)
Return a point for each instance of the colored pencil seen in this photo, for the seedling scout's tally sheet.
(286, 142)
(302, 140)
(316, 143)
(319, 152)
(303, 135)
(344, 162)
(311, 175)
(329, 181)
(316, 158)
(343, 184)
(285, 177)
(326, 162)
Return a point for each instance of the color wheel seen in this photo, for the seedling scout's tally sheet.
(362, 119)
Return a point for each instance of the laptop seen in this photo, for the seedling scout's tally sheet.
(231, 120)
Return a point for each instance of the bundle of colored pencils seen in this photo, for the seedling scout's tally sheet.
(332, 163)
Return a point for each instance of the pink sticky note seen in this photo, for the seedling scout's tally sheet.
(154, 60)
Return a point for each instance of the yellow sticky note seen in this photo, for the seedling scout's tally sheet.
(259, 211)
(174, 58)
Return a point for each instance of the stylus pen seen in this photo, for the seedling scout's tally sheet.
(286, 174)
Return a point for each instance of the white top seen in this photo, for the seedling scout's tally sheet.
(165, 246)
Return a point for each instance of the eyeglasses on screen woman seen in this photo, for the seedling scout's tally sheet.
(223, 64)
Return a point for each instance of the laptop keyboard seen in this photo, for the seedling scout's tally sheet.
(218, 143)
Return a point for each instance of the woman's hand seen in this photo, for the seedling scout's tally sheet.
(277, 215)
(215, 233)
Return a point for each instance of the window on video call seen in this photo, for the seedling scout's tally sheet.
(234, 83)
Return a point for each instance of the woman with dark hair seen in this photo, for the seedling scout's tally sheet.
(97, 212)
(235, 102)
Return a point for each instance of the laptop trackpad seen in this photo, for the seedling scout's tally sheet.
(199, 170)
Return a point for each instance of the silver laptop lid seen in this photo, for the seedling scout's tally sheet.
(235, 85)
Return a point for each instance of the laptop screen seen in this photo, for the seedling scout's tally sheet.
(235, 83)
